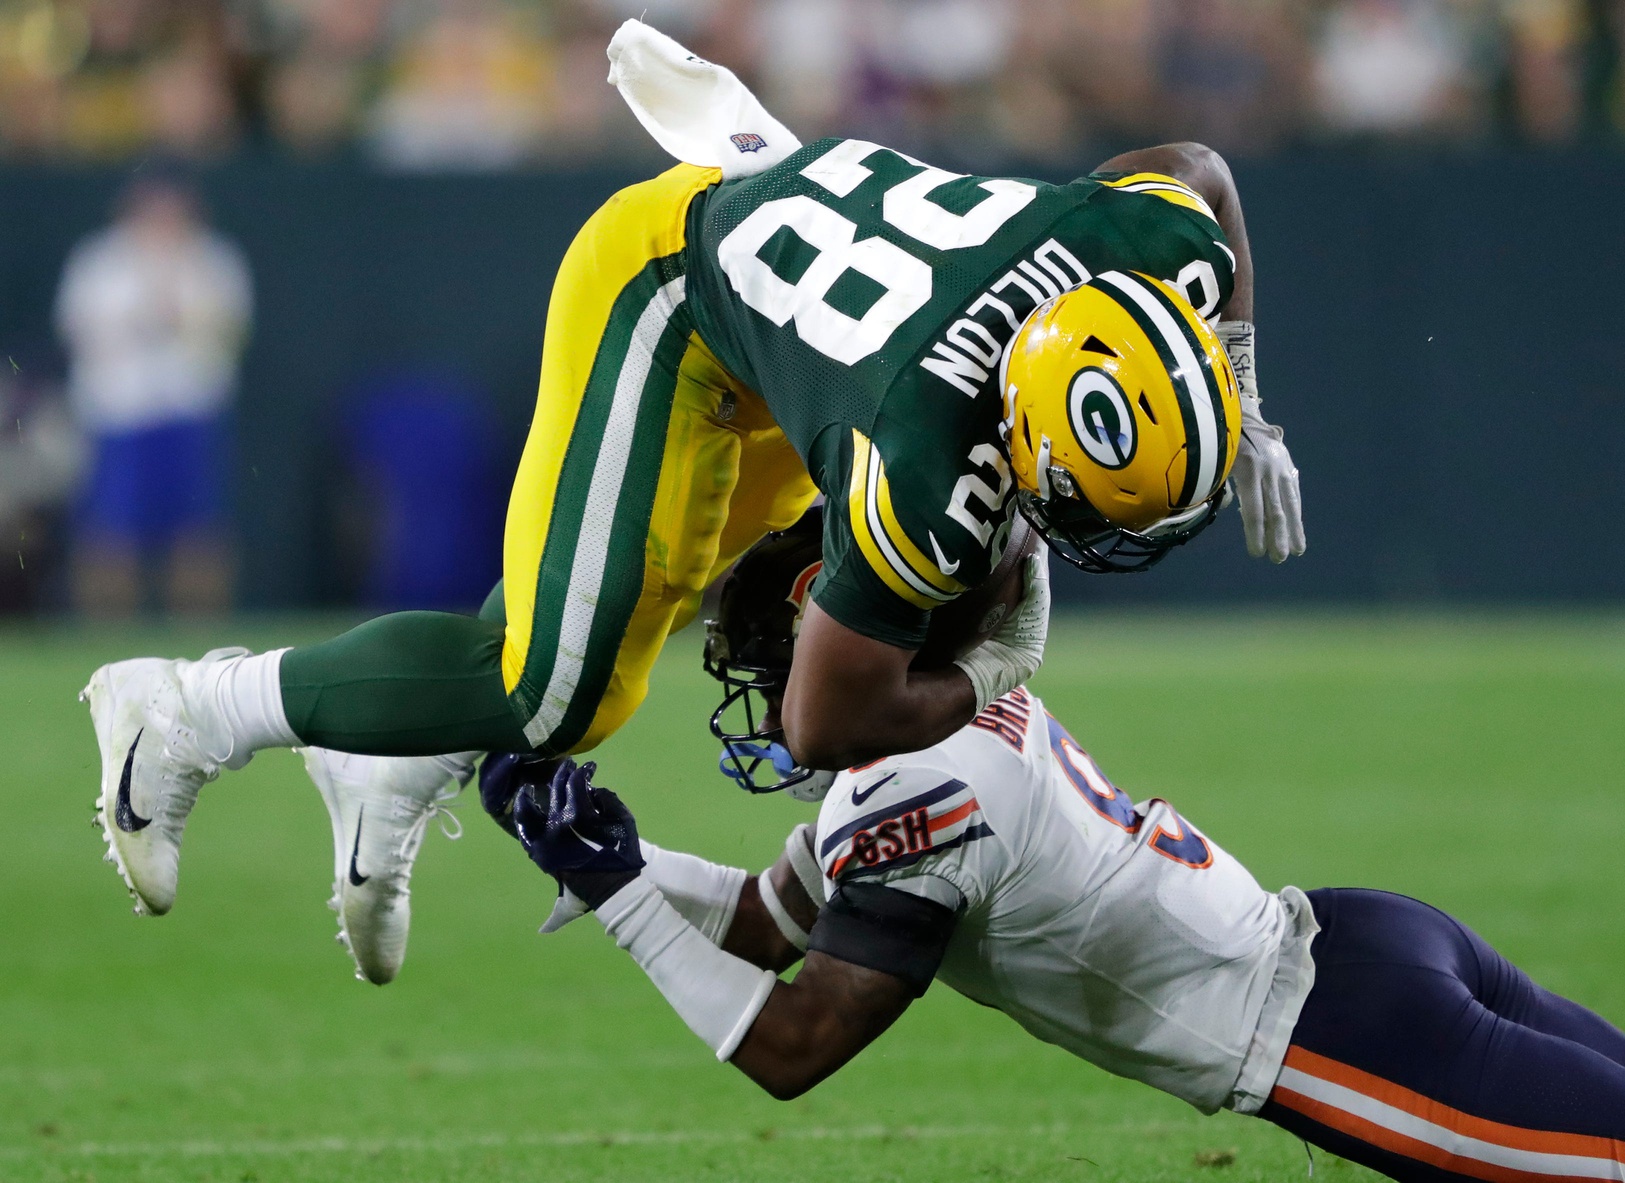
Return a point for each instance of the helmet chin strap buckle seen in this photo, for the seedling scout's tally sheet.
(1044, 468)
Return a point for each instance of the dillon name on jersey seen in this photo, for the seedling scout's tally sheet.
(867, 297)
(1117, 931)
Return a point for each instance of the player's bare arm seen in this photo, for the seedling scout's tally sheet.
(833, 1010)
(755, 936)
(1205, 171)
(852, 698)
(812, 1026)
(785, 1036)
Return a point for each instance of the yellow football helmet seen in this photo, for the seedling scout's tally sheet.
(1122, 418)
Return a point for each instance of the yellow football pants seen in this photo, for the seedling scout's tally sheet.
(648, 470)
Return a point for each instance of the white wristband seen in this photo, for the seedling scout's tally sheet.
(704, 893)
(1240, 339)
(788, 928)
(799, 847)
(715, 993)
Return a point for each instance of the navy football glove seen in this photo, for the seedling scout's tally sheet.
(580, 834)
(502, 776)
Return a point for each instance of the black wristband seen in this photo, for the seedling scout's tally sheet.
(594, 887)
(885, 929)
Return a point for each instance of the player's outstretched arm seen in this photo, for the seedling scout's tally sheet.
(812, 1026)
(785, 1036)
(808, 1028)
(1266, 479)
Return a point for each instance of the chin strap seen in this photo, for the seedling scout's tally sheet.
(740, 751)
(1042, 461)
(1175, 522)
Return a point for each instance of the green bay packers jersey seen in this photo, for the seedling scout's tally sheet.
(867, 297)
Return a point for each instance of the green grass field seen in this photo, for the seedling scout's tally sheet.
(1475, 762)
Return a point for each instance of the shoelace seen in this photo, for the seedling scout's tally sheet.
(439, 810)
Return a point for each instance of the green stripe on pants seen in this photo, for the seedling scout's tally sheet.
(591, 573)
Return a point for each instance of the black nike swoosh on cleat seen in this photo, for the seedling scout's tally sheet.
(859, 798)
(356, 877)
(123, 813)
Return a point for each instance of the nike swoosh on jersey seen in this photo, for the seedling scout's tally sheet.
(356, 877)
(860, 796)
(947, 789)
(123, 812)
(943, 564)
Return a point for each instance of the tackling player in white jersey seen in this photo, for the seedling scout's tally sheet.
(1005, 863)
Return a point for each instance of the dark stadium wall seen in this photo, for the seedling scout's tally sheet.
(1441, 337)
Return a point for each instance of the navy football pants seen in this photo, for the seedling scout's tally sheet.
(1426, 1055)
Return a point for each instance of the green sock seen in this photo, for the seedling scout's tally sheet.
(409, 684)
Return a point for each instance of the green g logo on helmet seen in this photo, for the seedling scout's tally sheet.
(1101, 419)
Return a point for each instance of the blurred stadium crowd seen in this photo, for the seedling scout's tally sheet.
(125, 338)
(490, 84)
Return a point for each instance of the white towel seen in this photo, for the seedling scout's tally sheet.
(696, 110)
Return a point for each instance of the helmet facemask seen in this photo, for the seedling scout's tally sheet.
(1077, 533)
(748, 648)
(753, 754)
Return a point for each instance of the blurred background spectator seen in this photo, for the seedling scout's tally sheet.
(491, 84)
(1399, 68)
(154, 312)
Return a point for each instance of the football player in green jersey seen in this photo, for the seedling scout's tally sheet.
(724, 342)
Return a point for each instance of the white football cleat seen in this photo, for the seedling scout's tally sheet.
(154, 763)
(381, 807)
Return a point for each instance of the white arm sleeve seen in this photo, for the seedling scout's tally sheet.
(715, 993)
(705, 894)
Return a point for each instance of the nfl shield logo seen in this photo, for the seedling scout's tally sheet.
(748, 141)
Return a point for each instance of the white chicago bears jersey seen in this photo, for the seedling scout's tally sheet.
(1117, 931)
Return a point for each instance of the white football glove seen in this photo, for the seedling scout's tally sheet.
(1016, 649)
(1267, 487)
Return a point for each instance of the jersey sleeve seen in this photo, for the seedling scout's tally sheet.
(908, 827)
(877, 580)
(1172, 233)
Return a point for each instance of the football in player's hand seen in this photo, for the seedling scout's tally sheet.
(960, 625)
